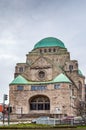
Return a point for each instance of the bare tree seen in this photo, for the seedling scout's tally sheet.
(81, 110)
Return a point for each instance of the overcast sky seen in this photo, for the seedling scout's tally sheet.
(24, 22)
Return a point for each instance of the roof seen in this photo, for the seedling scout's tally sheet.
(79, 72)
(49, 42)
(59, 79)
(19, 80)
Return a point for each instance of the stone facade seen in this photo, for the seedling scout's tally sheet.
(43, 94)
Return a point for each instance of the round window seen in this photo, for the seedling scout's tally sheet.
(41, 74)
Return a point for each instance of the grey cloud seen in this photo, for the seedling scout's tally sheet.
(24, 22)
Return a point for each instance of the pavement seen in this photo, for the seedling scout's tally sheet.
(13, 122)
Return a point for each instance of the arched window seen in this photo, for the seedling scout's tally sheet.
(40, 103)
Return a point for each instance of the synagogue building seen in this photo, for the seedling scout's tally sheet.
(47, 83)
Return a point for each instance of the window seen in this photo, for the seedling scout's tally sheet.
(41, 74)
(49, 49)
(80, 90)
(33, 106)
(70, 68)
(39, 103)
(47, 106)
(35, 88)
(40, 50)
(54, 50)
(45, 50)
(20, 69)
(56, 86)
(20, 88)
(72, 91)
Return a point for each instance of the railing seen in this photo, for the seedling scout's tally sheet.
(54, 121)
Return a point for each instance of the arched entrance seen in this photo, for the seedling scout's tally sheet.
(39, 102)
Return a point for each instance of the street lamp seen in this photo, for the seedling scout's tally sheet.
(5, 97)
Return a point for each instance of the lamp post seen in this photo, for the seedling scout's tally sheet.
(9, 114)
(5, 97)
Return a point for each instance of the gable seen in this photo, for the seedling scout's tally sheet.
(41, 62)
(61, 78)
(19, 80)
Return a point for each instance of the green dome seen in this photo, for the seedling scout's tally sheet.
(79, 72)
(49, 42)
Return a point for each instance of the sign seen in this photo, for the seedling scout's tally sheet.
(1, 108)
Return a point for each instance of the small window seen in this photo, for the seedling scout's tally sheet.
(35, 88)
(21, 69)
(54, 49)
(40, 50)
(49, 49)
(20, 88)
(45, 50)
(56, 86)
(72, 92)
(71, 68)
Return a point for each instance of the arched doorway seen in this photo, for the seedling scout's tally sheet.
(39, 102)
